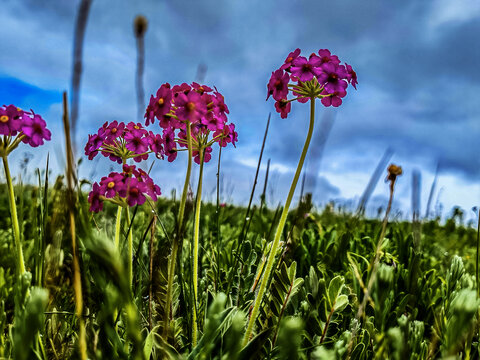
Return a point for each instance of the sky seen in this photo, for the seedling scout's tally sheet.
(418, 89)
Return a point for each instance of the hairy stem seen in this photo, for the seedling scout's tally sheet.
(281, 225)
(13, 212)
(196, 231)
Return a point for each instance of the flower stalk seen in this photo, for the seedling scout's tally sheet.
(117, 227)
(13, 212)
(281, 225)
(196, 231)
(177, 237)
(130, 249)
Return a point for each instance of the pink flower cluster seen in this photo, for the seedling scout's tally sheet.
(203, 107)
(29, 127)
(126, 188)
(328, 80)
(120, 141)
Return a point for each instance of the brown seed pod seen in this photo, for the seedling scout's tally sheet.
(140, 25)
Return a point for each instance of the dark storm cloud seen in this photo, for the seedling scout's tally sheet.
(416, 63)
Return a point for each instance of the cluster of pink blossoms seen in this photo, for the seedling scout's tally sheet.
(203, 107)
(120, 141)
(29, 127)
(126, 188)
(200, 106)
(319, 76)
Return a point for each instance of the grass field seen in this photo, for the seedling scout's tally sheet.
(423, 303)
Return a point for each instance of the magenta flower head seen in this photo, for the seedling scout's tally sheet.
(128, 188)
(320, 76)
(120, 142)
(205, 110)
(21, 126)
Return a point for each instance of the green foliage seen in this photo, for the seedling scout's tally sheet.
(423, 301)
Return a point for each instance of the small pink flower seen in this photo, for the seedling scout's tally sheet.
(35, 130)
(351, 76)
(278, 85)
(11, 120)
(96, 203)
(159, 105)
(283, 107)
(327, 57)
(335, 99)
(333, 77)
(190, 107)
(135, 192)
(289, 60)
(305, 70)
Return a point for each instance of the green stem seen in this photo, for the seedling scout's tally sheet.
(196, 231)
(281, 225)
(13, 212)
(177, 237)
(183, 200)
(477, 279)
(130, 251)
(117, 227)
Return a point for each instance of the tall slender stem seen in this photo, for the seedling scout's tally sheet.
(183, 200)
(117, 227)
(13, 212)
(77, 275)
(177, 237)
(196, 231)
(130, 250)
(477, 280)
(281, 225)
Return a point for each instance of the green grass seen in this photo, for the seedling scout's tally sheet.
(423, 302)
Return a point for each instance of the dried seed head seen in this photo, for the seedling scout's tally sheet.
(393, 172)
(140, 25)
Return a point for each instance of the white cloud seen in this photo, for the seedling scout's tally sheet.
(450, 12)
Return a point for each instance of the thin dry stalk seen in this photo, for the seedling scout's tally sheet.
(77, 280)
(140, 25)
(79, 35)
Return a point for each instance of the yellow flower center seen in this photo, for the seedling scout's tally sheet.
(110, 185)
(190, 106)
(160, 101)
(4, 118)
(137, 127)
(114, 130)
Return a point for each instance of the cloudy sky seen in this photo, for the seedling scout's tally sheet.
(416, 63)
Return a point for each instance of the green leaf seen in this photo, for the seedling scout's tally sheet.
(148, 346)
(254, 347)
(341, 303)
(334, 289)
